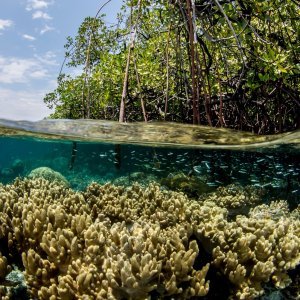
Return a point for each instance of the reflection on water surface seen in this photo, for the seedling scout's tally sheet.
(161, 134)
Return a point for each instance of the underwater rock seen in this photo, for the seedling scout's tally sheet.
(18, 166)
(13, 286)
(190, 185)
(7, 172)
(113, 242)
(48, 174)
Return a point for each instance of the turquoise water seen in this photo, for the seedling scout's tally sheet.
(276, 170)
(87, 216)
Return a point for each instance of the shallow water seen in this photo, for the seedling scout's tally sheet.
(216, 158)
(197, 161)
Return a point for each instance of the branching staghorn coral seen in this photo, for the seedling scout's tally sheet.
(78, 246)
(252, 251)
(127, 243)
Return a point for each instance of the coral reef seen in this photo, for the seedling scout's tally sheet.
(251, 252)
(48, 174)
(236, 199)
(296, 213)
(4, 268)
(112, 242)
(254, 249)
(134, 177)
(275, 210)
(73, 248)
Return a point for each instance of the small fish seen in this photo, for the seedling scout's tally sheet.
(266, 184)
(197, 169)
(207, 165)
(224, 167)
(211, 184)
(257, 185)
(260, 160)
(219, 182)
(274, 185)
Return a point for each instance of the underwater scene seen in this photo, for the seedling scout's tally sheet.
(100, 210)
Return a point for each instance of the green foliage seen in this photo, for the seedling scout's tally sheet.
(246, 54)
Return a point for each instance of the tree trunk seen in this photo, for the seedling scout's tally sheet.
(131, 47)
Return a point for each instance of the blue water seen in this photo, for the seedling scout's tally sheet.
(276, 170)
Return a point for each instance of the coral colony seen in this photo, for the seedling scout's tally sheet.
(112, 242)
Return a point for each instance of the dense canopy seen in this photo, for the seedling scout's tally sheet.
(216, 62)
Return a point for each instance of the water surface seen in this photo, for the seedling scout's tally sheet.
(85, 151)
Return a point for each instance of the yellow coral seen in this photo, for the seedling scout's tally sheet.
(104, 243)
(123, 243)
(235, 198)
(4, 268)
(251, 252)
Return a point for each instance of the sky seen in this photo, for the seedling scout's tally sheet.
(32, 38)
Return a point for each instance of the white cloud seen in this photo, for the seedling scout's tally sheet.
(41, 15)
(37, 74)
(46, 29)
(20, 70)
(5, 23)
(28, 37)
(23, 105)
(49, 58)
(37, 4)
